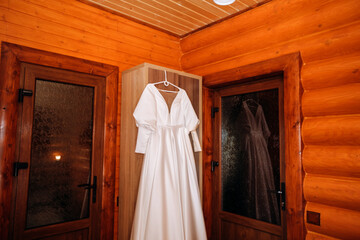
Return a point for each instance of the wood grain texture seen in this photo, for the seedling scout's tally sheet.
(328, 190)
(343, 161)
(10, 69)
(255, 226)
(130, 163)
(207, 142)
(331, 72)
(177, 17)
(335, 222)
(246, 73)
(57, 230)
(290, 66)
(329, 49)
(19, 55)
(230, 28)
(79, 234)
(231, 231)
(23, 154)
(303, 23)
(314, 47)
(340, 100)
(109, 160)
(134, 81)
(316, 236)
(328, 43)
(71, 28)
(28, 22)
(338, 130)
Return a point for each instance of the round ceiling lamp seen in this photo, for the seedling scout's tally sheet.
(224, 2)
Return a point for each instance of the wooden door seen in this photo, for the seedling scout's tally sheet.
(248, 164)
(59, 155)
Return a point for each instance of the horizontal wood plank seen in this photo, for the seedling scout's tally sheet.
(335, 222)
(332, 160)
(316, 236)
(328, 41)
(331, 72)
(231, 27)
(339, 130)
(174, 16)
(269, 35)
(55, 16)
(56, 39)
(76, 9)
(337, 192)
(340, 100)
(315, 47)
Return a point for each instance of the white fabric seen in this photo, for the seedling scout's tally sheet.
(168, 205)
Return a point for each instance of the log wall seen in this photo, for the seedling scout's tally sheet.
(72, 28)
(325, 32)
(327, 35)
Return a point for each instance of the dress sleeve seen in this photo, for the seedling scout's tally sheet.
(145, 117)
(191, 122)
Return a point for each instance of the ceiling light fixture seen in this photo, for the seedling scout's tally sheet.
(224, 2)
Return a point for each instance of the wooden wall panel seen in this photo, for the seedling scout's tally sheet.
(339, 130)
(340, 192)
(316, 236)
(336, 222)
(332, 160)
(331, 72)
(75, 29)
(274, 13)
(340, 100)
(327, 35)
(301, 23)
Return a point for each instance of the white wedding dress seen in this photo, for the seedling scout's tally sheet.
(168, 204)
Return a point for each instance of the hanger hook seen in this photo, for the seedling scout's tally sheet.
(166, 83)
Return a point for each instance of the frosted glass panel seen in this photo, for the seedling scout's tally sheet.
(250, 171)
(60, 153)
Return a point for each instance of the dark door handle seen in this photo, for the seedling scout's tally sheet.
(281, 194)
(213, 165)
(93, 187)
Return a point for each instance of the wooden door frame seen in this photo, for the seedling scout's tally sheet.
(289, 65)
(12, 56)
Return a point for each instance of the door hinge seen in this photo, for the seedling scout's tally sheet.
(24, 93)
(117, 201)
(19, 165)
(213, 111)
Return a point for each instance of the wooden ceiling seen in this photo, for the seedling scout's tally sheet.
(177, 17)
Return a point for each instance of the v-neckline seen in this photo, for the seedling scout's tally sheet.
(248, 109)
(169, 110)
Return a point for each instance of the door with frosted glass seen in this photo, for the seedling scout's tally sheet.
(248, 165)
(59, 142)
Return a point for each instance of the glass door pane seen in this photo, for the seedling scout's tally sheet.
(61, 150)
(250, 157)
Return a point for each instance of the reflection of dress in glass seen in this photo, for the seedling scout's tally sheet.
(168, 205)
(260, 174)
